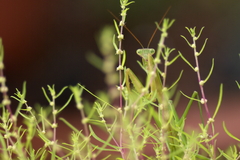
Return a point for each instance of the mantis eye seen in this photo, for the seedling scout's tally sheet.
(152, 51)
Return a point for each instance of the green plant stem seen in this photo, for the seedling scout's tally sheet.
(204, 100)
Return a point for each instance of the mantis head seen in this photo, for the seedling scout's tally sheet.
(145, 52)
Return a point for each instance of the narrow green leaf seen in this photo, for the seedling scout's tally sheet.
(124, 58)
(130, 3)
(185, 60)
(43, 155)
(199, 33)
(69, 125)
(43, 137)
(179, 77)
(105, 158)
(173, 60)
(228, 133)
(210, 72)
(96, 96)
(66, 104)
(191, 97)
(114, 42)
(186, 40)
(238, 84)
(104, 149)
(184, 115)
(191, 31)
(17, 99)
(64, 88)
(21, 99)
(116, 26)
(219, 101)
(45, 94)
(3, 145)
(225, 155)
(101, 140)
(25, 116)
(205, 42)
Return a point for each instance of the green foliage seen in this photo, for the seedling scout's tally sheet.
(144, 124)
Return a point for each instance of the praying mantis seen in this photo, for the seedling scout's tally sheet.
(148, 65)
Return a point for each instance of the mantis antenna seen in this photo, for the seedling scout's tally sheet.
(135, 36)
(127, 29)
(159, 25)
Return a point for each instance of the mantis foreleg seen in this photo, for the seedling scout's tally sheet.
(154, 80)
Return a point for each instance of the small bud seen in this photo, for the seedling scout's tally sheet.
(153, 74)
(119, 110)
(85, 120)
(121, 23)
(54, 112)
(4, 89)
(2, 79)
(157, 60)
(87, 139)
(119, 88)
(32, 119)
(161, 45)
(196, 54)
(1, 66)
(144, 90)
(201, 83)
(101, 115)
(196, 69)
(13, 119)
(10, 147)
(123, 14)
(164, 89)
(203, 101)
(29, 108)
(54, 125)
(161, 106)
(164, 34)
(119, 68)
(120, 37)
(46, 144)
(6, 102)
(210, 120)
(6, 136)
(79, 106)
(126, 108)
(51, 103)
(163, 75)
(193, 46)
(119, 51)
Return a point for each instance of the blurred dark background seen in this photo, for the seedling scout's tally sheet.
(46, 42)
